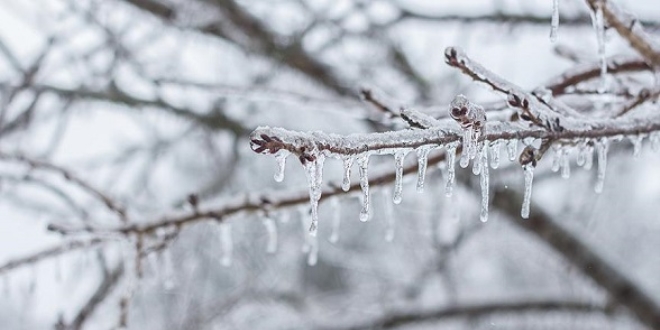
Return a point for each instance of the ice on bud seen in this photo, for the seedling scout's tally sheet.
(528, 170)
(363, 166)
(602, 146)
(280, 157)
(484, 181)
(227, 243)
(555, 20)
(271, 231)
(346, 181)
(451, 169)
(422, 160)
(512, 149)
(398, 181)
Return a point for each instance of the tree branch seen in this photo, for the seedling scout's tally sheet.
(472, 311)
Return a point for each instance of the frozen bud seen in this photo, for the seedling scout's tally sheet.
(466, 113)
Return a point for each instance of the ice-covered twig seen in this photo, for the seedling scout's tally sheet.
(630, 29)
(417, 119)
(271, 140)
(530, 108)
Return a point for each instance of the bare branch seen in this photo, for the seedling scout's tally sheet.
(395, 320)
(110, 280)
(50, 253)
(110, 203)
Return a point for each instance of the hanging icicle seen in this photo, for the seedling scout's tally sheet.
(527, 197)
(422, 160)
(602, 147)
(314, 171)
(495, 154)
(599, 26)
(280, 157)
(363, 164)
(555, 21)
(636, 141)
(565, 165)
(398, 181)
(451, 170)
(346, 182)
(512, 149)
(484, 182)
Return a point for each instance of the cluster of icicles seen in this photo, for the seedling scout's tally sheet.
(483, 154)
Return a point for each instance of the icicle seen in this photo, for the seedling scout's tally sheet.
(555, 20)
(271, 230)
(363, 163)
(313, 255)
(589, 161)
(637, 144)
(484, 182)
(398, 182)
(227, 243)
(280, 157)
(495, 154)
(315, 178)
(527, 198)
(599, 26)
(582, 154)
(346, 182)
(422, 160)
(465, 153)
(451, 170)
(601, 149)
(336, 220)
(565, 165)
(655, 141)
(556, 157)
(512, 149)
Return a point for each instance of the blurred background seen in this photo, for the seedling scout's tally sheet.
(115, 111)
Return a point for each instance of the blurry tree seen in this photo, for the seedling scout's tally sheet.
(125, 126)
